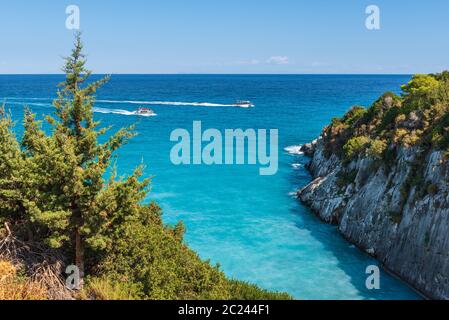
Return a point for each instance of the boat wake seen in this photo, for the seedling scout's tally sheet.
(35, 104)
(294, 150)
(95, 109)
(123, 112)
(157, 103)
(168, 103)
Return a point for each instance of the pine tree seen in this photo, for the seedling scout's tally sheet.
(68, 199)
(10, 164)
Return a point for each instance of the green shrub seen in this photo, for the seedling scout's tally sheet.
(420, 84)
(420, 91)
(377, 149)
(355, 146)
(353, 115)
(388, 120)
(440, 133)
(103, 288)
(345, 178)
(240, 290)
(432, 189)
(446, 155)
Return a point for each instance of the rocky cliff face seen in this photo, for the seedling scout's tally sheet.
(406, 230)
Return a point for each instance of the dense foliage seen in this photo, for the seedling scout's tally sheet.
(53, 191)
(419, 117)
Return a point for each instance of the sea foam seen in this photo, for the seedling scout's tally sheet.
(296, 166)
(294, 150)
(122, 112)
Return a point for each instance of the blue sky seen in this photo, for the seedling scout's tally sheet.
(228, 36)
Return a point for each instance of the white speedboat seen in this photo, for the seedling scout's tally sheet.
(244, 104)
(145, 112)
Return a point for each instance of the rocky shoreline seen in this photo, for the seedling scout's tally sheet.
(409, 234)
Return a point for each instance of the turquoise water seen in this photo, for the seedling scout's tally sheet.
(251, 224)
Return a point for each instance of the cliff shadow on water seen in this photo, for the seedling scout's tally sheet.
(349, 263)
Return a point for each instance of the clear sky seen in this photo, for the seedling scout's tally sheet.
(228, 36)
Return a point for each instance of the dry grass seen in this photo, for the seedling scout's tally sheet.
(42, 270)
(105, 289)
(15, 287)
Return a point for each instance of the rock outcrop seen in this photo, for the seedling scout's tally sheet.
(407, 230)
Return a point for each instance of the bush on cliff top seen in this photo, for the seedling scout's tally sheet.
(420, 116)
(356, 146)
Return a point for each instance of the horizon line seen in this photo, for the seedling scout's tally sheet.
(230, 74)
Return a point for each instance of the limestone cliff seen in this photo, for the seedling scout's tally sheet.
(395, 206)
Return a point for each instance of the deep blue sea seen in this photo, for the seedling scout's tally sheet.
(251, 224)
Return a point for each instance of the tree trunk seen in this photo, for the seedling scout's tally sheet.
(79, 256)
(79, 249)
(29, 233)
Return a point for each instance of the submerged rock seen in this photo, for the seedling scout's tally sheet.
(309, 148)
